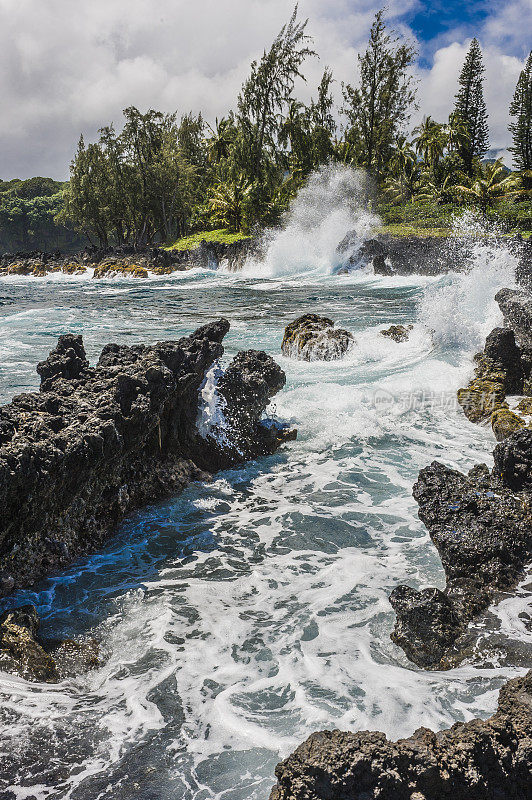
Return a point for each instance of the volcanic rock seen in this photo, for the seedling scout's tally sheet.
(399, 333)
(96, 442)
(477, 760)
(481, 525)
(500, 371)
(24, 653)
(314, 338)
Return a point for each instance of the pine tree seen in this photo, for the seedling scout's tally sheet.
(379, 108)
(266, 95)
(471, 108)
(521, 128)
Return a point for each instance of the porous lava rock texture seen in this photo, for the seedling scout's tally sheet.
(481, 525)
(24, 653)
(314, 338)
(98, 441)
(399, 333)
(478, 760)
(499, 372)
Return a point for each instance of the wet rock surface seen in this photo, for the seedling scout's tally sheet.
(481, 525)
(516, 306)
(126, 261)
(98, 441)
(477, 760)
(436, 255)
(24, 653)
(500, 371)
(314, 338)
(399, 333)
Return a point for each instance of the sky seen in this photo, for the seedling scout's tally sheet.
(68, 68)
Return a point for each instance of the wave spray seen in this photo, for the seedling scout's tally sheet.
(331, 204)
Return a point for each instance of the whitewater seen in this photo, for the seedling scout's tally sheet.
(243, 615)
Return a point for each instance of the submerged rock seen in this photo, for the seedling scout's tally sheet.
(427, 624)
(477, 760)
(96, 442)
(314, 338)
(24, 653)
(20, 652)
(399, 333)
(481, 525)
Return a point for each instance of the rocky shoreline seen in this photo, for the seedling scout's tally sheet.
(481, 525)
(477, 760)
(98, 441)
(126, 261)
(387, 255)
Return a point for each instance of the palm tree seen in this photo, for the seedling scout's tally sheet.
(227, 202)
(220, 143)
(439, 192)
(491, 184)
(457, 133)
(405, 173)
(430, 141)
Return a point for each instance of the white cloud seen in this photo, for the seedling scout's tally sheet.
(70, 67)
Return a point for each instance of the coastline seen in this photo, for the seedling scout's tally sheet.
(481, 525)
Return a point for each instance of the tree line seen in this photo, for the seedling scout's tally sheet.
(163, 176)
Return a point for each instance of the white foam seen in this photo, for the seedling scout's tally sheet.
(255, 607)
(330, 205)
(460, 310)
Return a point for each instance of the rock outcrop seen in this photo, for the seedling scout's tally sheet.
(314, 338)
(399, 333)
(481, 525)
(516, 306)
(500, 371)
(435, 255)
(478, 760)
(96, 442)
(127, 261)
(24, 653)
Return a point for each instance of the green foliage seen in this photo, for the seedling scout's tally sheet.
(379, 108)
(521, 127)
(491, 183)
(162, 179)
(28, 223)
(138, 186)
(266, 96)
(470, 108)
(425, 215)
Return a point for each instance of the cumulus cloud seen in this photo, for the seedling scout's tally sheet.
(70, 68)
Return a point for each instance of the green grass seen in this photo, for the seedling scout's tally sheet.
(192, 242)
(406, 229)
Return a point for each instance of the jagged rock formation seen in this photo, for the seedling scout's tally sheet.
(434, 255)
(500, 371)
(97, 442)
(127, 261)
(399, 333)
(22, 651)
(477, 760)
(481, 525)
(314, 338)
(516, 306)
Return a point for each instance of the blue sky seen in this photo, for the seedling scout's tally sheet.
(68, 68)
(439, 17)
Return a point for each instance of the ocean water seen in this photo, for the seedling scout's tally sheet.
(243, 615)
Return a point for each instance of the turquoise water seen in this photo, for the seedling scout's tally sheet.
(243, 615)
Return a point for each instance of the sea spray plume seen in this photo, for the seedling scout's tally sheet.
(331, 204)
(461, 310)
